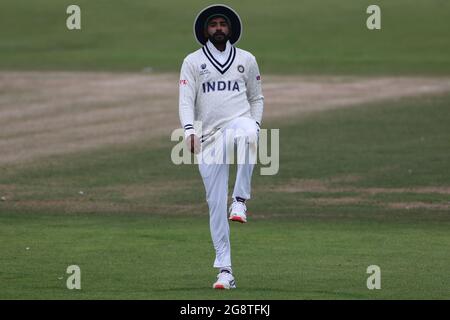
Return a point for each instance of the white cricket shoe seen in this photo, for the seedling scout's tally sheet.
(225, 280)
(238, 212)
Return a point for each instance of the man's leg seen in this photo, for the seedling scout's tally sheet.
(246, 139)
(242, 186)
(215, 179)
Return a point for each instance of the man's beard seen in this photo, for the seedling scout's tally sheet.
(219, 38)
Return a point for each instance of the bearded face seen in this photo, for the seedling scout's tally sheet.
(218, 30)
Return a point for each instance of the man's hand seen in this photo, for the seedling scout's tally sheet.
(193, 143)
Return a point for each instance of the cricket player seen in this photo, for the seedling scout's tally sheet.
(220, 88)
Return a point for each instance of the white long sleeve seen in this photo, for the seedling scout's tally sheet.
(187, 96)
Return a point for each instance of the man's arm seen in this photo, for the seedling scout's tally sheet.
(186, 106)
(254, 92)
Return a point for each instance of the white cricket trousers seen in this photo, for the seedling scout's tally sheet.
(215, 179)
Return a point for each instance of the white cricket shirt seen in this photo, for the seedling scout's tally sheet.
(217, 87)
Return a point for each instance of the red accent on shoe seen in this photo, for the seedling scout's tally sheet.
(219, 286)
(238, 219)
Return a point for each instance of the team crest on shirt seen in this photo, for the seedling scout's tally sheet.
(203, 69)
(241, 68)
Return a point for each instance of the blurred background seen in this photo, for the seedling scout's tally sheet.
(288, 36)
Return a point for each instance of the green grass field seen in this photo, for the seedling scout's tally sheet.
(358, 186)
(287, 36)
(140, 230)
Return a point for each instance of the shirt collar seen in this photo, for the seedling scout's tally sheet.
(216, 52)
